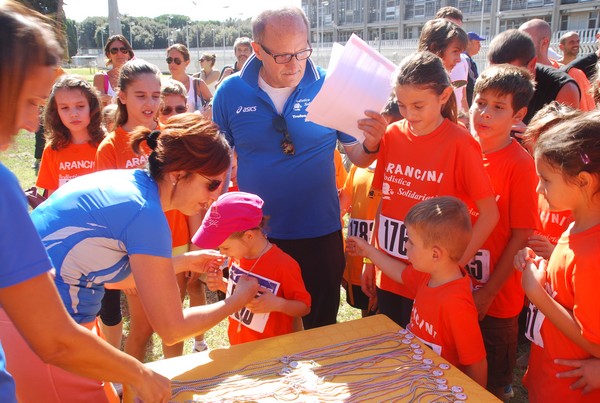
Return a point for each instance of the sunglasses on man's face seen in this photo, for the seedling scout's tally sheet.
(213, 184)
(280, 125)
(167, 110)
(124, 50)
(176, 60)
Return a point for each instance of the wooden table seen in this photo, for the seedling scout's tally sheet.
(232, 361)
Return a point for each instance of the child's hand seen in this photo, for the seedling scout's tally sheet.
(534, 276)
(523, 257)
(356, 246)
(264, 302)
(214, 280)
(540, 245)
(367, 280)
(588, 372)
(373, 128)
(202, 261)
(246, 288)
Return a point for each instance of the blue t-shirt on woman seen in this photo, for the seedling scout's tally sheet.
(91, 225)
(22, 255)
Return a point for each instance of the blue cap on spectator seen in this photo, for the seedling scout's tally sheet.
(474, 36)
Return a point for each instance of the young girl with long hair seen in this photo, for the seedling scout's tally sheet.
(137, 105)
(445, 39)
(427, 154)
(73, 124)
(563, 317)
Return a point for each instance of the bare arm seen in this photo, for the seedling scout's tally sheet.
(99, 85)
(478, 372)
(206, 94)
(163, 306)
(488, 217)
(269, 302)
(534, 277)
(37, 311)
(569, 95)
(503, 270)
(391, 266)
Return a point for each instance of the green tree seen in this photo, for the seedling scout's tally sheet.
(71, 38)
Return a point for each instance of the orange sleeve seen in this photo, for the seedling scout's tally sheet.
(586, 277)
(340, 170)
(106, 156)
(48, 173)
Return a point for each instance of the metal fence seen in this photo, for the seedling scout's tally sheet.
(394, 50)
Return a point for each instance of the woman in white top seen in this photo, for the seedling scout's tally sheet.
(199, 96)
(118, 51)
(207, 72)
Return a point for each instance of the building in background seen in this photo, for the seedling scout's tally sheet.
(384, 20)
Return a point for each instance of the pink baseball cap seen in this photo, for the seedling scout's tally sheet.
(232, 212)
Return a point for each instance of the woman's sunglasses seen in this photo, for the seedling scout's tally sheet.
(280, 125)
(167, 110)
(213, 184)
(171, 60)
(124, 50)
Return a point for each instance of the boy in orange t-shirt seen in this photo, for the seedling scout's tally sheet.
(443, 315)
(501, 95)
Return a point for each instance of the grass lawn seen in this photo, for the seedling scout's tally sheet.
(19, 159)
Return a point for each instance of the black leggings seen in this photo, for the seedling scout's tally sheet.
(110, 311)
(322, 263)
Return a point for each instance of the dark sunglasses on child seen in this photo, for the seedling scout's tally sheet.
(124, 50)
(171, 60)
(167, 110)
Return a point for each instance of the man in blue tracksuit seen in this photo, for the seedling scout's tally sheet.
(287, 160)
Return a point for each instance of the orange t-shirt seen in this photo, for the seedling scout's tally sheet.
(514, 179)
(586, 100)
(60, 166)
(340, 171)
(115, 152)
(362, 215)
(572, 276)
(553, 223)
(277, 266)
(445, 318)
(410, 169)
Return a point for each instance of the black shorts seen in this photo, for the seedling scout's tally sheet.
(500, 337)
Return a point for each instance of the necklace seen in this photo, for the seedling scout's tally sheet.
(262, 252)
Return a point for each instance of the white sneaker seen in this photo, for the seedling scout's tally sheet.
(200, 346)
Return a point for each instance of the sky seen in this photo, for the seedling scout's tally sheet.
(199, 10)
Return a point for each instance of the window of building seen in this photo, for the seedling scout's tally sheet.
(564, 22)
(593, 20)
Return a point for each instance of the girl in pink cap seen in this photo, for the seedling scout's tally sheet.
(234, 224)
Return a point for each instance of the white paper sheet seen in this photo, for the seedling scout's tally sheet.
(358, 79)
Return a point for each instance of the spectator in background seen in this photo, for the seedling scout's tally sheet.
(207, 71)
(541, 33)
(117, 51)
(516, 47)
(198, 94)
(460, 71)
(473, 48)
(242, 47)
(569, 46)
